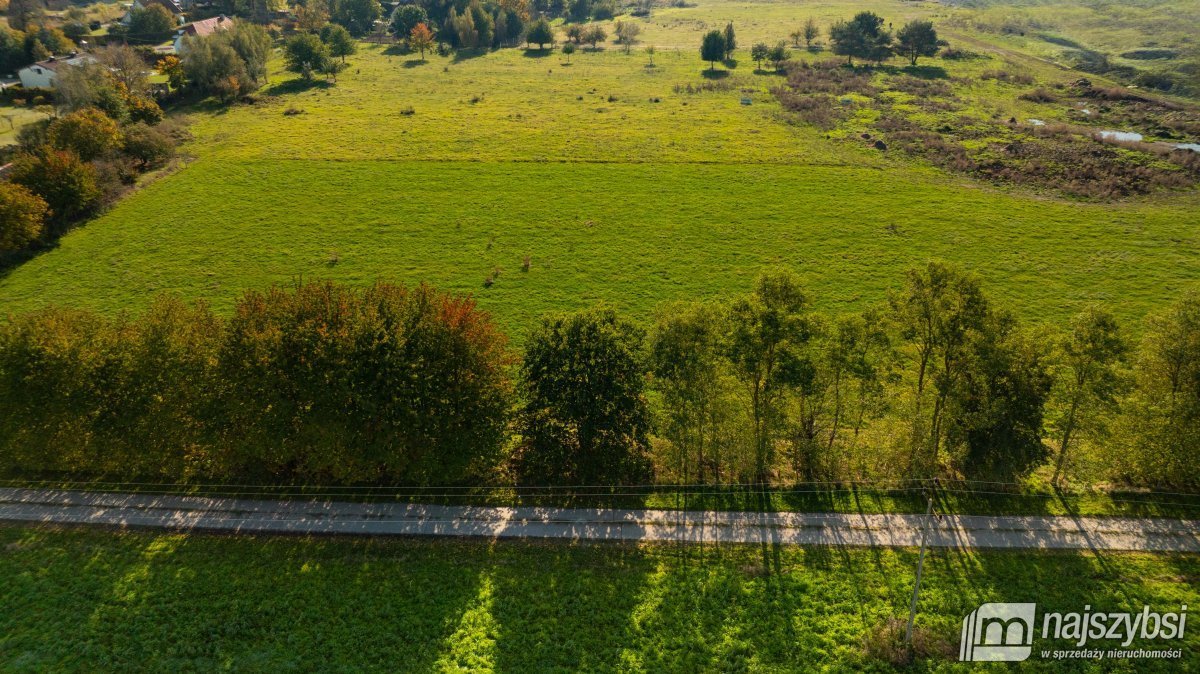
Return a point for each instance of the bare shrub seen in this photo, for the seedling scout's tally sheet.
(821, 111)
(828, 77)
(1039, 95)
(885, 642)
(1006, 77)
(920, 87)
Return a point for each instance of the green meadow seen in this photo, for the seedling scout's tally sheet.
(616, 181)
(101, 601)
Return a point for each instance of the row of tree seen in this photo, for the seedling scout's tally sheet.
(325, 384)
(321, 383)
(862, 37)
(865, 37)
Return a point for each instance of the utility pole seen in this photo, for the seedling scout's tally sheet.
(912, 608)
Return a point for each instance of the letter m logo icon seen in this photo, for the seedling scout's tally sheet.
(998, 633)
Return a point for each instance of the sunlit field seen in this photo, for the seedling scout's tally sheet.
(79, 599)
(615, 181)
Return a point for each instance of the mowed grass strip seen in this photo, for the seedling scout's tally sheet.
(632, 234)
(76, 600)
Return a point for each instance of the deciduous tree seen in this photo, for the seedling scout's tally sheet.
(406, 17)
(811, 32)
(305, 54)
(917, 39)
(339, 41)
(22, 217)
(421, 39)
(1091, 355)
(712, 48)
(148, 25)
(758, 53)
(765, 345)
(67, 184)
(358, 16)
(540, 33)
(863, 37)
(730, 40)
(585, 419)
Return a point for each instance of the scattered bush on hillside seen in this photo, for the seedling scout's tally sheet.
(1007, 77)
(828, 77)
(819, 110)
(1039, 95)
(921, 87)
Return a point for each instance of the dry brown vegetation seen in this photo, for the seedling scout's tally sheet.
(1065, 158)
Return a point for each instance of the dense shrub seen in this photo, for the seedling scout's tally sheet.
(585, 419)
(319, 384)
(326, 383)
(67, 184)
(1039, 95)
(148, 145)
(828, 77)
(819, 110)
(89, 133)
(919, 86)
(22, 217)
(1007, 77)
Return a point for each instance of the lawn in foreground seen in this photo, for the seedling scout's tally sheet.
(88, 599)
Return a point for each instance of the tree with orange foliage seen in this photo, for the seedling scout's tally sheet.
(421, 39)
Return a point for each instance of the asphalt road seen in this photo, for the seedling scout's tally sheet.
(193, 513)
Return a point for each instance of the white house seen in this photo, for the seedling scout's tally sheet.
(201, 28)
(43, 74)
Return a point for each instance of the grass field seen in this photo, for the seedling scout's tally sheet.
(13, 118)
(1152, 35)
(618, 187)
(96, 600)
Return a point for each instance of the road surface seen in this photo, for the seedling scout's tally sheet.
(195, 513)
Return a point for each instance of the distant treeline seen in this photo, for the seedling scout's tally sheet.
(329, 384)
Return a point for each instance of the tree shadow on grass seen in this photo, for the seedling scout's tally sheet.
(461, 55)
(296, 86)
(172, 602)
(9, 262)
(712, 74)
(415, 63)
(926, 72)
(560, 606)
(537, 53)
(397, 50)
